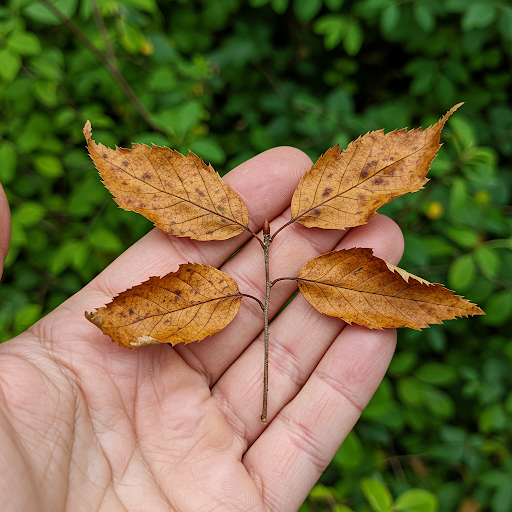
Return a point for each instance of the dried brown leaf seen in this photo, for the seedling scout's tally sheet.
(181, 195)
(345, 188)
(181, 307)
(360, 288)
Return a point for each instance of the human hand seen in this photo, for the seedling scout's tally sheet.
(88, 425)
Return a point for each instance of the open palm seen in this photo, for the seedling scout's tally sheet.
(88, 425)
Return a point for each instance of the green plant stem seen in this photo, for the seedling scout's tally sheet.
(109, 63)
(267, 240)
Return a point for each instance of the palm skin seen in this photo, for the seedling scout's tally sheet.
(87, 425)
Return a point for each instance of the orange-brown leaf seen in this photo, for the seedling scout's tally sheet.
(360, 288)
(345, 188)
(181, 195)
(181, 307)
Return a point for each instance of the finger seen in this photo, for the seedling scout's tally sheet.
(5, 228)
(299, 338)
(297, 446)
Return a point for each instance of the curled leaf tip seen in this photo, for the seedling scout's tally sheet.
(94, 318)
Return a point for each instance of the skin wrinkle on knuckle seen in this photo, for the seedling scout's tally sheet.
(235, 422)
(305, 441)
(341, 390)
(285, 362)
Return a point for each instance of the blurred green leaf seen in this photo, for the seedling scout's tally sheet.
(8, 161)
(462, 273)
(487, 260)
(377, 494)
(502, 498)
(478, 15)
(492, 419)
(105, 240)
(63, 257)
(505, 22)
(28, 214)
(424, 17)
(26, 316)
(416, 500)
(390, 18)
(333, 5)
(10, 63)
(209, 150)
(25, 43)
(353, 39)
(279, 5)
(48, 165)
(402, 363)
(350, 455)
(438, 374)
(39, 12)
(143, 5)
(410, 391)
(464, 237)
(306, 10)
(498, 308)
(333, 27)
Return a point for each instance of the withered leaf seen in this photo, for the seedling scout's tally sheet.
(345, 188)
(181, 307)
(181, 195)
(360, 288)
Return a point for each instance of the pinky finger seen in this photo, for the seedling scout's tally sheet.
(288, 458)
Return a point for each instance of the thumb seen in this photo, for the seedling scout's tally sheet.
(5, 228)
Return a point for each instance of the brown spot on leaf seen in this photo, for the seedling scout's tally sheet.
(146, 176)
(326, 192)
(126, 164)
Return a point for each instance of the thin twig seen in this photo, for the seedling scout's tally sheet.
(112, 68)
(267, 240)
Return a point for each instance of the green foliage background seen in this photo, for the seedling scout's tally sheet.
(229, 79)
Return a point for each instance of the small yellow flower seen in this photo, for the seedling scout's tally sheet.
(435, 210)
(482, 197)
(146, 48)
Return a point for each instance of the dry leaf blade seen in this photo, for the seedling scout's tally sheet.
(345, 188)
(181, 307)
(181, 195)
(360, 288)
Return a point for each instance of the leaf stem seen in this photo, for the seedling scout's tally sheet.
(282, 227)
(254, 235)
(254, 298)
(267, 240)
(272, 283)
